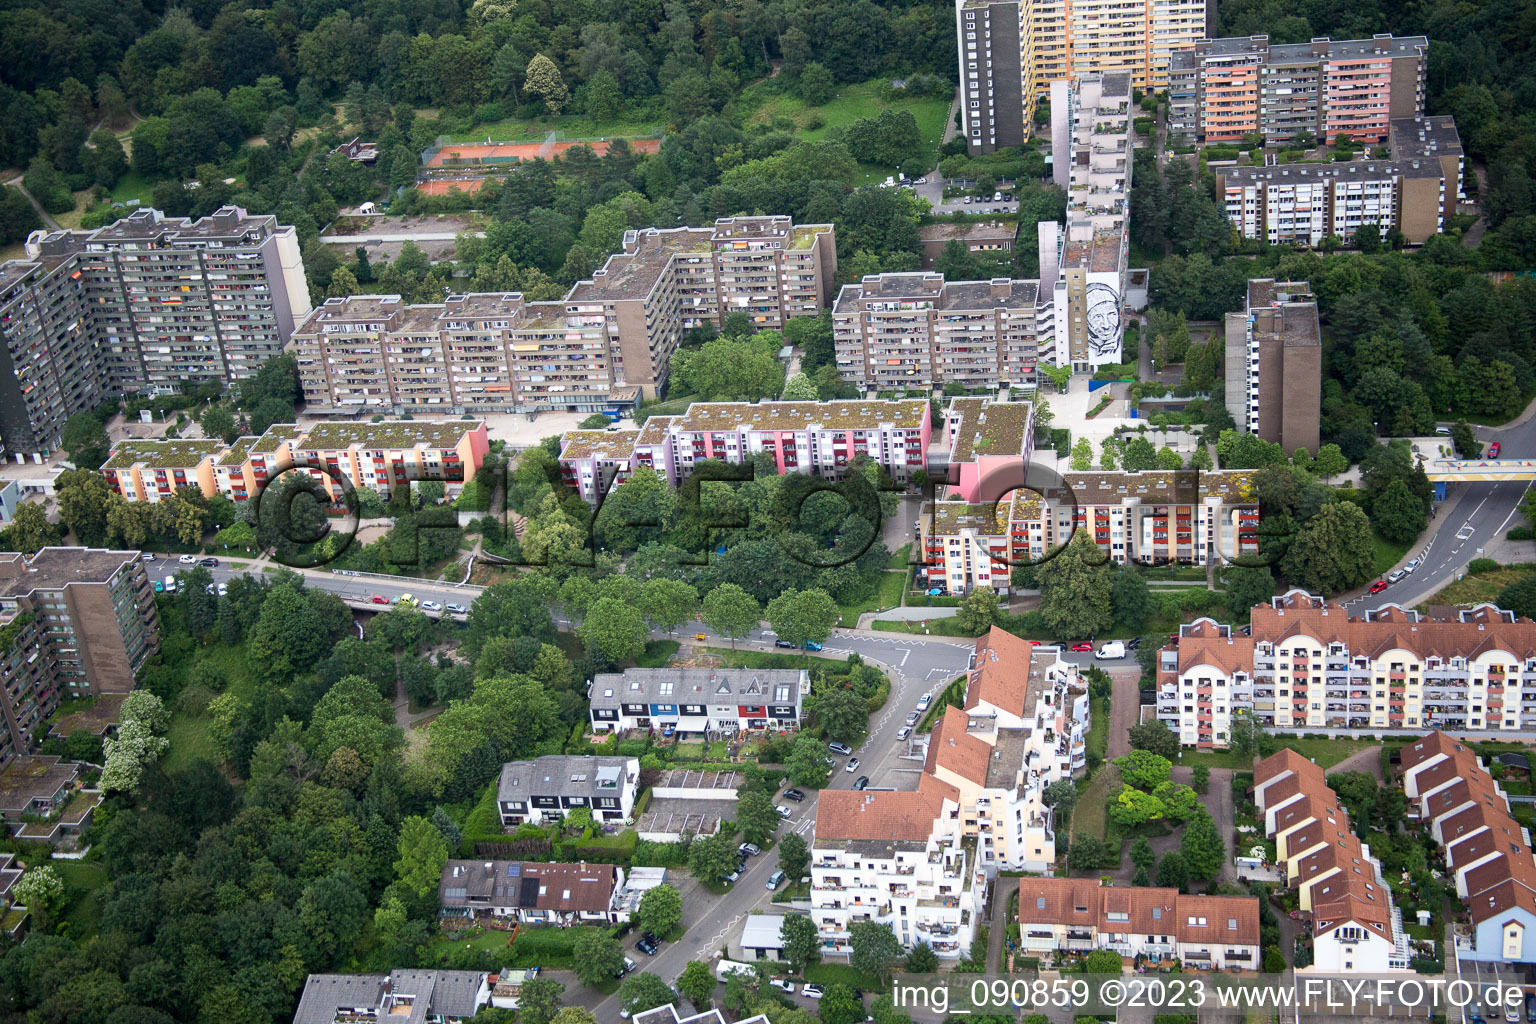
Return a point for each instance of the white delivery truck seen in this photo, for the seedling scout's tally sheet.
(725, 968)
(1113, 649)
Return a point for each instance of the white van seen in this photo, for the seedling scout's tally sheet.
(1110, 651)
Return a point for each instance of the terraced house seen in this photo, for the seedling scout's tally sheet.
(919, 861)
(1487, 852)
(550, 787)
(1311, 663)
(607, 343)
(74, 622)
(144, 305)
(698, 701)
(1356, 927)
(823, 439)
(381, 456)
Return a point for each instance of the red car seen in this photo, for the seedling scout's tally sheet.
(1034, 643)
(1493, 450)
(1378, 586)
(380, 599)
(1082, 647)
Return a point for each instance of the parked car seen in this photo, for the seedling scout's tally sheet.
(1379, 586)
(1110, 651)
(1414, 564)
(921, 181)
(432, 606)
(793, 794)
(733, 876)
(1395, 575)
(1442, 431)
(170, 584)
(159, 587)
(1512, 1014)
(903, 733)
(1493, 450)
(774, 881)
(648, 944)
(223, 589)
(862, 782)
(209, 563)
(852, 765)
(912, 718)
(813, 646)
(811, 990)
(629, 965)
(1133, 643)
(839, 748)
(968, 200)
(187, 559)
(457, 609)
(748, 849)
(1082, 648)
(784, 643)
(148, 556)
(380, 599)
(782, 811)
(782, 984)
(924, 701)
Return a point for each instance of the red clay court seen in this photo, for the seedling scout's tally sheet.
(472, 153)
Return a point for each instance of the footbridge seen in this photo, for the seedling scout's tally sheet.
(1444, 471)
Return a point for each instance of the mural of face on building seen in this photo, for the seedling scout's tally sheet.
(1103, 319)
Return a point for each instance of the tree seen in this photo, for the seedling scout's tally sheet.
(41, 891)
(1464, 440)
(542, 78)
(842, 714)
(731, 611)
(1103, 961)
(1143, 769)
(1076, 588)
(697, 982)
(1202, 847)
(661, 909)
(1333, 551)
(816, 84)
(422, 852)
(1200, 778)
(218, 421)
(1248, 586)
(539, 1000)
(85, 440)
(1155, 737)
(1141, 853)
(1130, 598)
(644, 991)
(577, 1014)
(1246, 736)
(1082, 455)
(794, 856)
(803, 616)
(712, 858)
(799, 388)
(1172, 872)
(1179, 801)
(840, 1006)
(756, 817)
(1138, 454)
(1135, 807)
(598, 957)
(922, 959)
(1060, 795)
(615, 628)
(874, 947)
(978, 611)
(1397, 515)
(802, 945)
(809, 764)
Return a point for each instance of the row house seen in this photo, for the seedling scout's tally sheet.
(917, 330)
(919, 861)
(698, 701)
(823, 439)
(1487, 852)
(529, 893)
(1221, 90)
(1312, 664)
(146, 305)
(1356, 927)
(382, 456)
(550, 787)
(74, 622)
(1152, 517)
(1081, 915)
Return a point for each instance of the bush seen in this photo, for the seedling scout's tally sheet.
(1481, 565)
(619, 849)
(1521, 533)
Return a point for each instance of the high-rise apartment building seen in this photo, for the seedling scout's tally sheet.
(1274, 364)
(74, 622)
(1312, 664)
(607, 343)
(146, 304)
(380, 456)
(820, 438)
(1223, 89)
(1011, 51)
(919, 330)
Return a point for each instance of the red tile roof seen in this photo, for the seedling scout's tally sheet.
(854, 814)
(1081, 902)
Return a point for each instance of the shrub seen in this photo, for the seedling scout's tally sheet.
(1521, 533)
(1481, 565)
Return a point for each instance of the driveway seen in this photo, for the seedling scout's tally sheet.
(1217, 800)
(1124, 709)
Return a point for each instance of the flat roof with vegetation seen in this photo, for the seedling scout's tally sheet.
(164, 453)
(391, 434)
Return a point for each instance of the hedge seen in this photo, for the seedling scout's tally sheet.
(619, 849)
(548, 947)
(881, 695)
(1479, 565)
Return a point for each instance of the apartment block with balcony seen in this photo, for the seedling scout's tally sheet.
(1312, 664)
(1356, 926)
(820, 438)
(1274, 364)
(698, 701)
(911, 330)
(919, 861)
(74, 622)
(1011, 51)
(1302, 204)
(1224, 89)
(381, 456)
(143, 305)
(1079, 915)
(1153, 517)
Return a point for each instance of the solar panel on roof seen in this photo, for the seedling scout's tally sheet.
(514, 870)
(529, 894)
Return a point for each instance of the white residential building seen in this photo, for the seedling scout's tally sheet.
(550, 787)
(703, 701)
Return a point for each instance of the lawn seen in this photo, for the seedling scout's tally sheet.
(81, 880)
(1387, 554)
(887, 595)
(490, 941)
(575, 126)
(189, 733)
(1097, 741)
(1327, 751)
(899, 558)
(1484, 586)
(131, 186)
(841, 974)
(852, 103)
(657, 653)
(1089, 814)
(762, 659)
